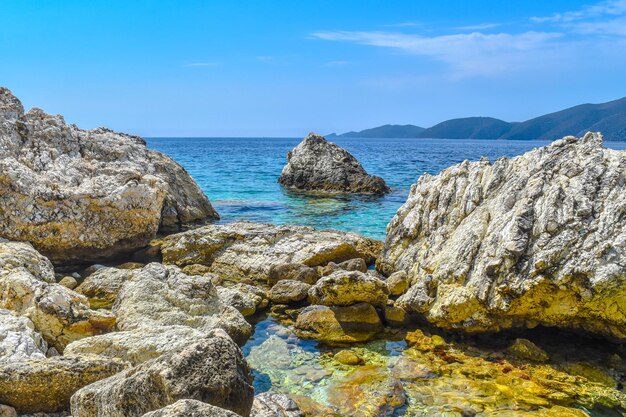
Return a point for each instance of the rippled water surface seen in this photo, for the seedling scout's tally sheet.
(239, 175)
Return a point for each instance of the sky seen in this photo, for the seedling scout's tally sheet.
(285, 68)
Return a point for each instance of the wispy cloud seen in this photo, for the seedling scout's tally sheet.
(467, 54)
(202, 64)
(483, 26)
(599, 10)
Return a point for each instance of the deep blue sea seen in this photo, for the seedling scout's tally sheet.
(239, 175)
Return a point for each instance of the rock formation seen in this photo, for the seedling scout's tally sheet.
(536, 239)
(27, 288)
(159, 295)
(318, 165)
(211, 370)
(191, 408)
(80, 195)
(338, 325)
(246, 249)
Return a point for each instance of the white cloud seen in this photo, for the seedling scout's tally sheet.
(482, 26)
(600, 10)
(467, 54)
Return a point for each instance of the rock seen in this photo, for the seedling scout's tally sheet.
(137, 345)
(337, 325)
(191, 408)
(46, 385)
(289, 291)
(160, 295)
(343, 288)
(396, 316)
(211, 370)
(398, 283)
(69, 282)
(527, 350)
(351, 265)
(80, 195)
(102, 286)
(131, 265)
(318, 165)
(18, 338)
(246, 249)
(272, 404)
(298, 272)
(536, 239)
(6, 411)
(347, 357)
(93, 268)
(58, 314)
(245, 298)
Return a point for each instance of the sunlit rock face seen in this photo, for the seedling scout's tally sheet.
(536, 239)
(81, 195)
(318, 165)
(247, 249)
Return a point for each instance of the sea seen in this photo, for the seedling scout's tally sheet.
(240, 176)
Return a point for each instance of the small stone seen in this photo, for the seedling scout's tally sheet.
(298, 272)
(289, 291)
(6, 411)
(398, 283)
(396, 316)
(347, 357)
(69, 282)
(343, 288)
(131, 265)
(525, 349)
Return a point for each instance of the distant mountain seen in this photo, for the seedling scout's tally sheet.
(468, 128)
(608, 118)
(386, 131)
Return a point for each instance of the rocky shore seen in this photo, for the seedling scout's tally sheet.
(536, 240)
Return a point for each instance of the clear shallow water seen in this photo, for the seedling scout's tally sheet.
(239, 175)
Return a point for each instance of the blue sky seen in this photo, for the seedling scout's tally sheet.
(284, 68)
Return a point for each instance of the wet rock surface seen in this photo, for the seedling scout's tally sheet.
(318, 165)
(536, 239)
(80, 195)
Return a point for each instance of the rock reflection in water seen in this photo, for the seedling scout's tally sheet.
(429, 377)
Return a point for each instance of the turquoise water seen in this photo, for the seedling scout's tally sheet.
(239, 175)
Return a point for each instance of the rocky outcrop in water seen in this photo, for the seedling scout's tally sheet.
(211, 370)
(80, 195)
(536, 239)
(250, 250)
(318, 165)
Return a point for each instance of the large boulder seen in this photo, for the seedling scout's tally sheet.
(343, 288)
(247, 249)
(59, 314)
(137, 345)
(161, 295)
(211, 370)
(318, 165)
(80, 195)
(46, 385)
(536, 239)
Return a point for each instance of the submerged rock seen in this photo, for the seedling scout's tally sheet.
(80, 195)
(536, 239)
(161, 295)
(318, 165)
(27, 288)
(246, 249)
(211, 370)
(338, 325)
(46, 385)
